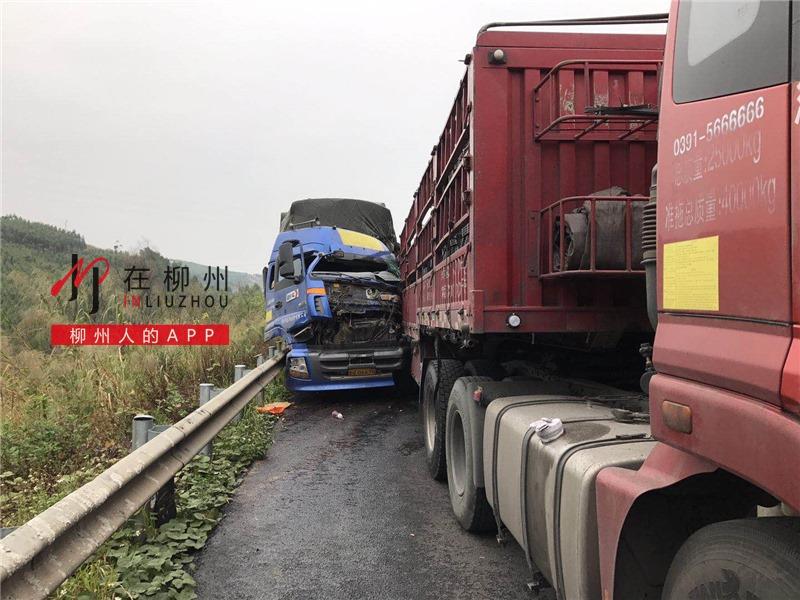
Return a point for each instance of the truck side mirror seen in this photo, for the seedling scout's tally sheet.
(286, 260)
(264, 281)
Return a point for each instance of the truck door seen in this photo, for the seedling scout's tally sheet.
(724, 253)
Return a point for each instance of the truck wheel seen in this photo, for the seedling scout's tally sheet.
(467, 499)
(756, 559)
(483, 367)
(435, 392)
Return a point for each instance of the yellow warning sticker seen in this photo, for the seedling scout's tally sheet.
(691, 274)
(361, 240)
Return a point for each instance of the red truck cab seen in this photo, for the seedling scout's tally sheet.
(725, 401)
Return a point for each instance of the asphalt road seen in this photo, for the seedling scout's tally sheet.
(345, 509)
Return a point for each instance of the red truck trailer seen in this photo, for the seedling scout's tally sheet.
(608, 353)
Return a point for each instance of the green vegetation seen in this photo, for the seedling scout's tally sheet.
(66, 411)
(142, 560)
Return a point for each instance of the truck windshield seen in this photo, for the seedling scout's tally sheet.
(723, 48)
(381, 267)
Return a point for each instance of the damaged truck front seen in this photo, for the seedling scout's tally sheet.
(332, 292)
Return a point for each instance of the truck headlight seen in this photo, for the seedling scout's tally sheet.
(298, 368)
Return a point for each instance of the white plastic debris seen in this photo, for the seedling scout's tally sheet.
(548, 429)
(337, 415)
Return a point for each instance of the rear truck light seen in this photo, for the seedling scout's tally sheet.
(677, 417)
(298, 368)
(513, 320)
(497, 56)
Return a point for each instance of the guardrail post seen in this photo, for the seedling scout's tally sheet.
(163, 503)
(205, 395)
(259, 360)
(272, 352)
(141, 424)
(139, 428)
(262, 395)
(238, 373)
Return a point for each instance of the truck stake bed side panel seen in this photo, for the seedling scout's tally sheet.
(527, 143)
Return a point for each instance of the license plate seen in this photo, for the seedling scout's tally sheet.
(362, 372)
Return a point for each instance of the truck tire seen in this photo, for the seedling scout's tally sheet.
(433, 408)
(756, 559)
(469, 502)
(483, 367)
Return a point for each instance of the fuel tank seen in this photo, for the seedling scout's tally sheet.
(544, 491)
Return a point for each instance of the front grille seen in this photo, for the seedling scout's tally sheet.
(337, 364)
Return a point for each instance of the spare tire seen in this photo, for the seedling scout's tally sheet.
(576, 230)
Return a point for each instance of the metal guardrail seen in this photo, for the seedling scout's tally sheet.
(37, 557)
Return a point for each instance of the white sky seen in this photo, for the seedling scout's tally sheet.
(190, 125)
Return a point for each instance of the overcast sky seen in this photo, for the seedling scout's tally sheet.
(189, 126)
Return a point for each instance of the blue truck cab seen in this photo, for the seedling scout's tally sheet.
(332, 292)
